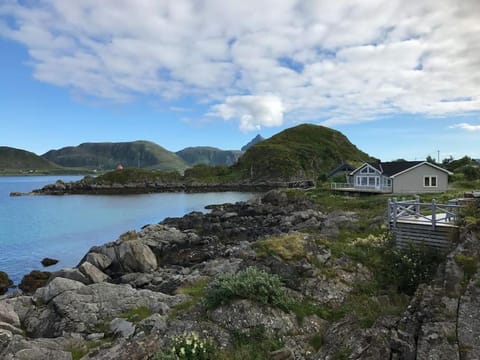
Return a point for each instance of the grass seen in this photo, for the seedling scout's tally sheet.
(136, 315)
(253, 344)
(195, 290)
(288, 247)
(469, 265)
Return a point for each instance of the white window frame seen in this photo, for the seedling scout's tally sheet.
(430, 178)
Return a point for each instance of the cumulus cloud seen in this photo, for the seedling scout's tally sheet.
(330, 61)
(466, 126)
(252, 111)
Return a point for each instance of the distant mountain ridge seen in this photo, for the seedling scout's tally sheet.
(207, 155)
(252, 142)
(12, 159)
(107, 156)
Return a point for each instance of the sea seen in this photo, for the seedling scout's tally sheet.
(66, 227)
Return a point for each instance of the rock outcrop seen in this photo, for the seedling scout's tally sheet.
(129, 298)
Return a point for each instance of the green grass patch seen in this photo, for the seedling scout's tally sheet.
(136, 315)
(469, 265)
(289, 247)
(316, 341)
(254, 344)
(195, 290)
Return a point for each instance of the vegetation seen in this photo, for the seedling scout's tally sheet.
(134, 175)
(302, 152)
(195, 290)
(211, 174)
(188, 346)
(206, 155)
(251, 283)
(137, 314)
(106, 156)
(16, 160)
(288, 247)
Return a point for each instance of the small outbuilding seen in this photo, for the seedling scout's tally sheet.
(119, 166)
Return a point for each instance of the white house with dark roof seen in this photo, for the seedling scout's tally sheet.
(400, 177)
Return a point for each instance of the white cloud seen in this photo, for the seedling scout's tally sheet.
(465, 126)
(252, 111)
(331, 61)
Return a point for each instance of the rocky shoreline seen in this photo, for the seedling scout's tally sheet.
(94, 309)
(83, 187)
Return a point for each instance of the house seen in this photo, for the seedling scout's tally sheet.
(401, 177)
(344, 169)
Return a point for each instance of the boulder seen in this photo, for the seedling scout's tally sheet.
(5, 282)
(54, 288)
(72, 274)
(101, 261)
(135, 256)
(80, 308)
(48, 262)
(93, 273)
(122, 328)
(8, 314)
(34, 280)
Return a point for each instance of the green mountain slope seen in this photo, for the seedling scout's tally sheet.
(12, 159)
(106, 156)
(302, 152)
(206, 155)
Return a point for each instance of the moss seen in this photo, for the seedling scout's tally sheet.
(469, 265)
(288, 247)
(137, 314)
(195, 290)
(316, 341)
(343, 353)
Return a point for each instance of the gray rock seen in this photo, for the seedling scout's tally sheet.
(101, 261)
(72, 274)
(282, 354)
(11, 328)
(122, 328)
(135, 256)
(5, 338)
(82, 309)
(469, 320)
(95, 336)
(244, 314)
(93, 273)
(8, 314)
(154, 323)
(39, 353)
(54, 288)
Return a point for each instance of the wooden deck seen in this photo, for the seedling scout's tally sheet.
(423, 224)
(345, 187)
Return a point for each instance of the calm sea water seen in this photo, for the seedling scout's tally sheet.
(65, 227)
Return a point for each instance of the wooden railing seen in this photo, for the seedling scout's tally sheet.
(335, 186)
(432, 213)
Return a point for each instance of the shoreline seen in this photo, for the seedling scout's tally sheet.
(83, 188)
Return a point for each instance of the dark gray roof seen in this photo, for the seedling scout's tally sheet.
(345, 167)
(394, 167)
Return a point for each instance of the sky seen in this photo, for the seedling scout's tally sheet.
(400, 78)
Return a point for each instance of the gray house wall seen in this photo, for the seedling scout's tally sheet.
(412, 181)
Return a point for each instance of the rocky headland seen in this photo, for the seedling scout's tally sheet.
(135, 297)
(87, 186)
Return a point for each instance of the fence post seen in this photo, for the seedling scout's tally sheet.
(434, 214)
(417, 206)
(395, 210)
(389, 213)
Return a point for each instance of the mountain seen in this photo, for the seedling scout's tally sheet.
(209, 156)
(12, 159)
(252, 142)
(302, 152)
(105, 156)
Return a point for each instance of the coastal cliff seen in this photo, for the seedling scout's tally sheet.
(277, 277)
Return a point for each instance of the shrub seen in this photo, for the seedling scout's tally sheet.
(407, 268)
(252, 284)
(188, 346)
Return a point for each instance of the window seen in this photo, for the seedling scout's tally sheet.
(430, 181)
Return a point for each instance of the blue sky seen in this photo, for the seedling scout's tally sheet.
(398, 78)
